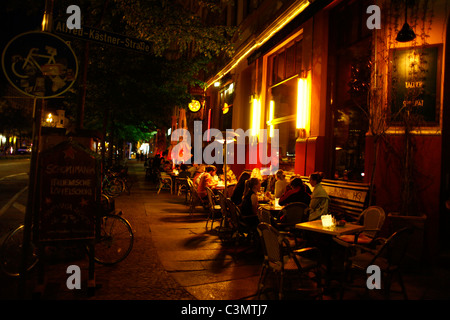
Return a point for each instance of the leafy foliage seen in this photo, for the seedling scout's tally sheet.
(136, 92)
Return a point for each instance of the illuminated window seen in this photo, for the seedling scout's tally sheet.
(284, 68)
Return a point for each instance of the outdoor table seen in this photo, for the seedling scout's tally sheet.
(272, 208)
(316, 226)
(327, 235)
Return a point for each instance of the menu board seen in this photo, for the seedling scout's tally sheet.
(414, 78)
(68, 188)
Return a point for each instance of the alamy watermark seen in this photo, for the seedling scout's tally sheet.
(189, 150)
(74, 20)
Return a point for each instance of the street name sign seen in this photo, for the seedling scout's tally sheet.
(103, 37)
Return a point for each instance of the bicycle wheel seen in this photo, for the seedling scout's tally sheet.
(114, 187)
(115, 240)
(11, 253)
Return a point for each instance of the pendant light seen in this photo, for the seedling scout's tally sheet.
(406, 34)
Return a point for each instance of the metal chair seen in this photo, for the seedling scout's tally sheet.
(214, 209)
(289, 216)
(388, 257)
(264, 215)
(226, 229)
(242, 229)
(282, 261)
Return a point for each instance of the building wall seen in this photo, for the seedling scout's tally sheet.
(315, 150)
(430, 29)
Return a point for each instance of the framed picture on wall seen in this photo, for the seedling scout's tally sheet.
(415, 82)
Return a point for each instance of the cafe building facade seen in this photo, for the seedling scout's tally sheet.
(346, 95)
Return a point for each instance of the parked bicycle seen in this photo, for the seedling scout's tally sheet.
(115, 183)
(113, 243)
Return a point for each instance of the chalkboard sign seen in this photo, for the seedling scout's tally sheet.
(69, 190)
(415, 83)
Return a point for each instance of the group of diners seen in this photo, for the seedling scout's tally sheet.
(251, 184)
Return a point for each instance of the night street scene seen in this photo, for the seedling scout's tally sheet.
(225, 158)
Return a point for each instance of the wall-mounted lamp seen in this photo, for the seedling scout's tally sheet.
(406, 34)
(304, 103)
(256, 116)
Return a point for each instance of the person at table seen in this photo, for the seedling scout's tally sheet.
(249, 206)
(280, 184)
(198, 173)
(206, 180)
(231, 178)
(167, 166)
(238, 191)
(192, 170)
(183, 173)
(319, 197)
(296, 193)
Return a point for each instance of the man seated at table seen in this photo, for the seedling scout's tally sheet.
(206, 179)
(297, 193)
(231, 178)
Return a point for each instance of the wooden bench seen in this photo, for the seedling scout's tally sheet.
(347, 199)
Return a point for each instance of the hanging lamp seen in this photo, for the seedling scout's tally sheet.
(406, 34)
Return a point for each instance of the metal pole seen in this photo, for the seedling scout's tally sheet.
(31, 201)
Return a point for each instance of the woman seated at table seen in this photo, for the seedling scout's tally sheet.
(319, 197)
(249, 207)
(280, 184)
(206, 179)
(296, 193)
(238, 191)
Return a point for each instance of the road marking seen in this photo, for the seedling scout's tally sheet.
(13, 175)
(19, 207)
(12, 200)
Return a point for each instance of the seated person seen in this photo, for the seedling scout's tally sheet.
(231, 178)
(167, 166)
(192, 170)
(296, 193)
(280, 184)
(206, 179)
(183, 173)
(319, 197)
(198, 173)
(249, 207)
(238, 191)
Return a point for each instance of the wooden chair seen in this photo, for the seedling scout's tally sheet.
(165, 181)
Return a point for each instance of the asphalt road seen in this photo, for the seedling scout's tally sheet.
(14, 179)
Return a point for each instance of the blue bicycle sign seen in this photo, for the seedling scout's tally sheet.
(39, 64)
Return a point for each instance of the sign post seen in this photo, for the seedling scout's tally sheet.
(39, 65)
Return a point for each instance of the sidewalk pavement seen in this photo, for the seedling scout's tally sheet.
(174, 257)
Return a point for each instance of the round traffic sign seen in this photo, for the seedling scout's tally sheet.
(39, 64)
